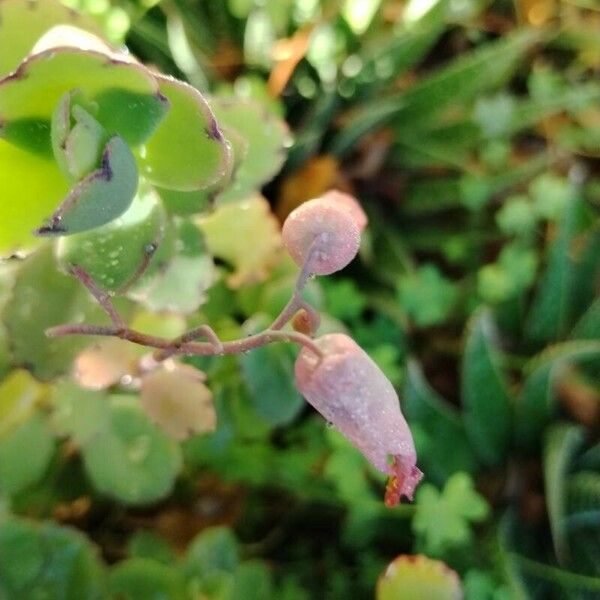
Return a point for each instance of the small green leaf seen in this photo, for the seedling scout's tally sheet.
(101, 196)
(25, 453)
(36, 88)
(113, 254)
(42, 297)
(23, 23)
(20, 396)
(78, 413)
(439, 433)
(536, 403)
(269, 373)
(551, 311)
(182, 282)
(261, 152)
(134, 116)
(487, 405)
(561, 443)
(252, 581)
(214, 549)
(147, 544)
(47, 561)
(588, 327)
(443, 520)
(187, 151)
(427, 296)
(131, 460)
(146, 579)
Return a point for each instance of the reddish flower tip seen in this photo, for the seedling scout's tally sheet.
(402, 482)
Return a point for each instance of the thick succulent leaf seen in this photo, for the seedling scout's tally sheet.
(188, 151)
(537, 401)
(79, 413)
(551, 310)
(418, 578)
(20, 395)
(269, 374)
(144, 578)
(180, 285)
(212, 550)
(35, 436)
(23, 23)
(588, 326)
(259, 139)
(440, 438)
(487, 405)
(35, 89)
(100, 197)
(113, 254)
(232, 228)
(186, 203)
(32, 187)
(47, 561)
(560, 445)
(42, 297)
(131, 460)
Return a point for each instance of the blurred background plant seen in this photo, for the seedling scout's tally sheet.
(470, 130)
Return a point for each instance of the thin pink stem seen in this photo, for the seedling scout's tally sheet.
(296, 302)
(101, 296)
(191, 348)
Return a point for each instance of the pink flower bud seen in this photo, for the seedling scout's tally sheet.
(326, 228)
(352, 393)
(351, 205)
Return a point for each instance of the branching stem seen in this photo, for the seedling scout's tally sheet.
(185, 344)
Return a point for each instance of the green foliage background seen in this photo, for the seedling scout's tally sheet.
(470, 131)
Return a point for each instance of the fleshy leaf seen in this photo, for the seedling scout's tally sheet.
(188, 151)
(131, 460)
(114, 253)
(144, 578)
(418, 578)
(47, 561)
(22, 24)
(20, 394)
(228, 231)
(36, 87)
(487, 404)
(34, 435)
(561, 443)
(31, 187)
(99, 198)
(77, 138)
(259, 140)
(177, 400)
(181, 284)
(438, 431)
(78, 413)
(43, 297)
(269, 374)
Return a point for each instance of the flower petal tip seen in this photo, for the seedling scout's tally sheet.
(402, 482)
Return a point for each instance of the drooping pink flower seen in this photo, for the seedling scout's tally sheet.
(353, 394)
(350, 204)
